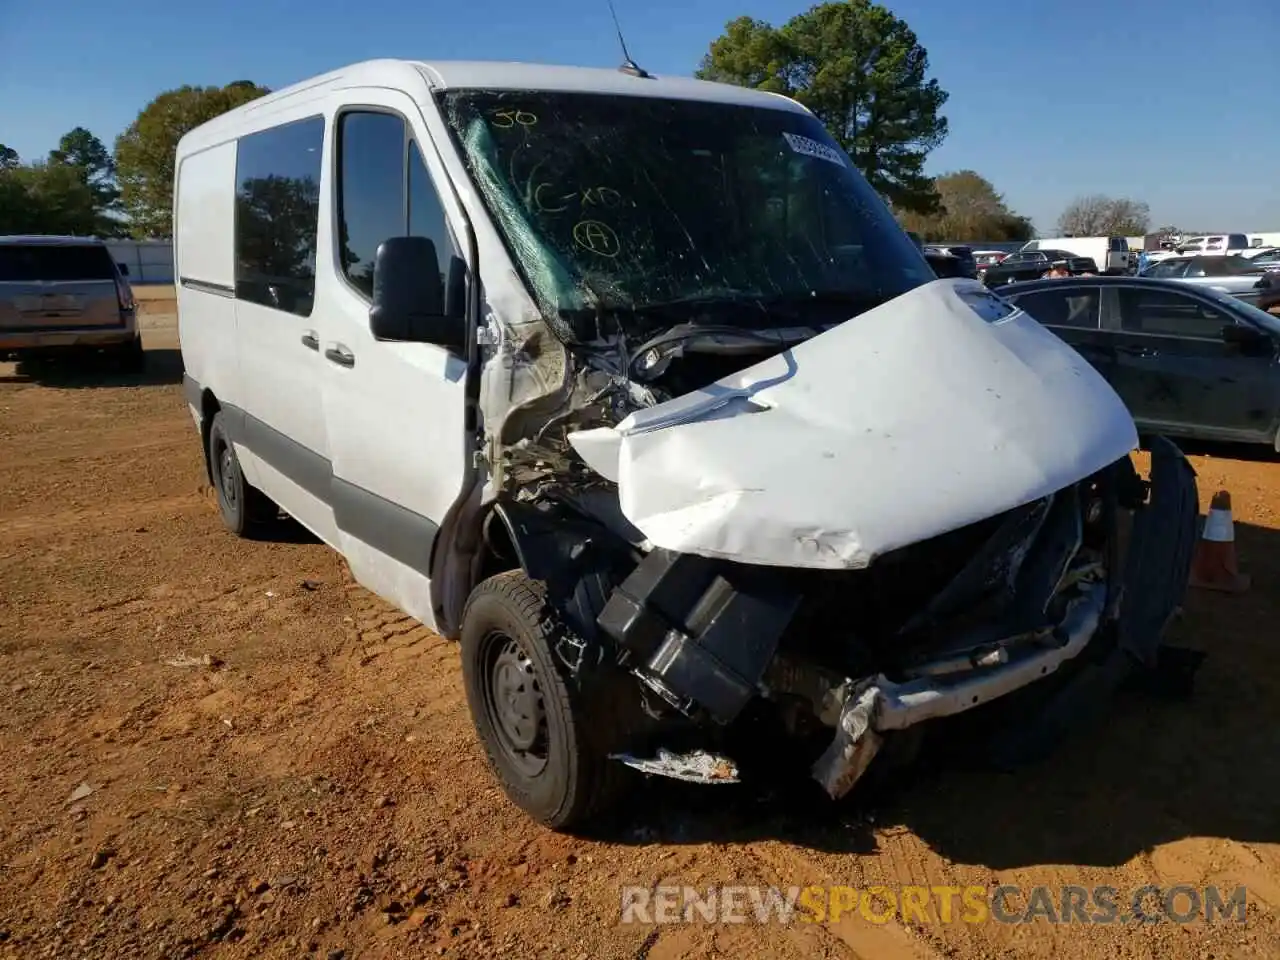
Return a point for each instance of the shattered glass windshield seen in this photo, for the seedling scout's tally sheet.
(636, 207)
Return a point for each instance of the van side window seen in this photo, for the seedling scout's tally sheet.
(426, 215)
(371, 193)
(278, 215)
(384, 190)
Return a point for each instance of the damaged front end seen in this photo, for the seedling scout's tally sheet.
(938, 629)
(844, 654)
(755, 463)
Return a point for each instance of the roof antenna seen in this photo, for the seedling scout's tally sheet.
(629, 66)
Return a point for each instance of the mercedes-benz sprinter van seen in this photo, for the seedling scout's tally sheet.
(634, 386)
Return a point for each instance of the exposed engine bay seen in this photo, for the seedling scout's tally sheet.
(842, 658)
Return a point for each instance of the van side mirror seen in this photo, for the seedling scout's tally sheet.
(409, 295)
(124, 269)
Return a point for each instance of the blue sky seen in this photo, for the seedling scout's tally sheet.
(1170, 103)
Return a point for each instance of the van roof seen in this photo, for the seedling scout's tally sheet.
(484, 75)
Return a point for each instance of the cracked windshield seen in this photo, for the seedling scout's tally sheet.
(643, 209)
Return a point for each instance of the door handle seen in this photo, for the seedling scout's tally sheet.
(1145, 353)
(340, 355)
(310, 340)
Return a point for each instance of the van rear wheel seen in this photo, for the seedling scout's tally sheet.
(245, 509)
(530, 721)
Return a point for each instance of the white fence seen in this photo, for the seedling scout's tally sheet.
(148, 261)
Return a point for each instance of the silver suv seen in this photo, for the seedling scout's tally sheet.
(66, 294)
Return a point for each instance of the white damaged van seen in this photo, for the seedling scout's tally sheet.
(634, 386)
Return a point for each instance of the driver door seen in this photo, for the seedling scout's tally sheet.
(394, 410)
(1177, 373)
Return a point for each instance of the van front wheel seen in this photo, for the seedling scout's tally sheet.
(529, 720)
(245, 509)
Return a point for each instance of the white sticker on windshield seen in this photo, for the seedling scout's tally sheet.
(812, 148)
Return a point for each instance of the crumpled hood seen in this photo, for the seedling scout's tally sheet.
(937, 409)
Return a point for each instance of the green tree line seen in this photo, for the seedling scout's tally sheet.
(81, 188)
(857, 66)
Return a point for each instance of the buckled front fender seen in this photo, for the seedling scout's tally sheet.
(1159, 553)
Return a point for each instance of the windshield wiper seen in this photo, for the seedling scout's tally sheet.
(797, 309)
(710, 304)
(674, 338)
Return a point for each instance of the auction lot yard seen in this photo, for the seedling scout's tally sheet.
(224, 748)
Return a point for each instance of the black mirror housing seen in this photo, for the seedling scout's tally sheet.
(124, 269)
(409, 295)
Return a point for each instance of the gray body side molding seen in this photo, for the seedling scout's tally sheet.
(402, 534)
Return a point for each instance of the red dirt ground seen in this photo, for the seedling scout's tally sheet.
(276, 764)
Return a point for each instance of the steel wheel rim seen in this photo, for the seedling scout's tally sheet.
(226, 473)
(514, 704)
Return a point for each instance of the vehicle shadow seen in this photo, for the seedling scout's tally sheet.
(1151, 771)
(284, 529)
(164, 368)
(1222, 450)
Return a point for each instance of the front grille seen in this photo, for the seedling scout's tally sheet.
(851, 620)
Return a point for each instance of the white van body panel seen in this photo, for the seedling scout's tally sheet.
(883, 426)
(202, 244)
(202, 247)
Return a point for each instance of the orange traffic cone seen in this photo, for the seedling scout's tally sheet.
(1213, 567)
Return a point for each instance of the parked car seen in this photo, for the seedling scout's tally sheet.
(945, 264)
(985, 259)
(1222, 244)
(1269, 298)
(1187, 360)
(1237, 276)
(1111, 254)
(1033, 264)
(1268, 258)
(678, 437)
(65, 296)
(968, 266)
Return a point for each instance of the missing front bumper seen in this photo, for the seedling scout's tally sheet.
(1155, 559)
(879, 706)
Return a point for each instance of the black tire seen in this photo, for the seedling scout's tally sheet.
(539, 741)
(130, 357)
(245, 509)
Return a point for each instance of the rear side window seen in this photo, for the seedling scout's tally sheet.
(278, 215)
(54, 263)
(1162, 313)
(384, 190)
(1076, 307)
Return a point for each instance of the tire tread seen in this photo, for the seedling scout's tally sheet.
(595, 780)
